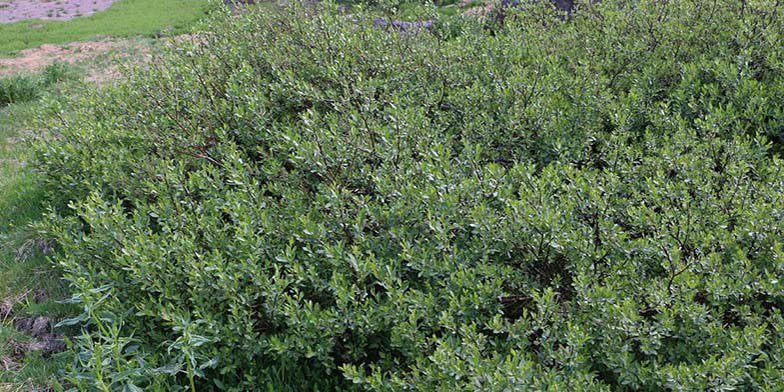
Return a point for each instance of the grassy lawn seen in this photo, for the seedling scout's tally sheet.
(125, 18)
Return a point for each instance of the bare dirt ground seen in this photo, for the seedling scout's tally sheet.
(102, 58)
(102, 61)
(16, 10)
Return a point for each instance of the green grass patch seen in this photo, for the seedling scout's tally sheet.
(29, 282)
(124, 19)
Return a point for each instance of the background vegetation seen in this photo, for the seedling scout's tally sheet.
(302, 201)
(125, 18)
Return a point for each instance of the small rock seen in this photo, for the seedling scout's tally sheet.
(24, 324)
(403, 27)
(41, 325)
(36, 326)
(48, 344)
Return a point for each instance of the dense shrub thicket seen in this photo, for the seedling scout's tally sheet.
(299, 200)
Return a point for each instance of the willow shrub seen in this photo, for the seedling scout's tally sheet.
(299, 200)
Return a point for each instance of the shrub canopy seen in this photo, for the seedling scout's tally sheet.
(300, 200)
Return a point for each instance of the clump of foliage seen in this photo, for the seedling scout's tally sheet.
(25, 88)
(300, 200)
(16, 89)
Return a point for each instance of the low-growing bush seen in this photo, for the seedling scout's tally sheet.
(299, 200)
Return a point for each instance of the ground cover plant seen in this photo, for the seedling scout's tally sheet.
(298, 200)
(125, 18)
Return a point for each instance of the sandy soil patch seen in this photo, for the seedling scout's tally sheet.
(16, 10)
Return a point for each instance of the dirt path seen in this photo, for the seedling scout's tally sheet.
(16, 10)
